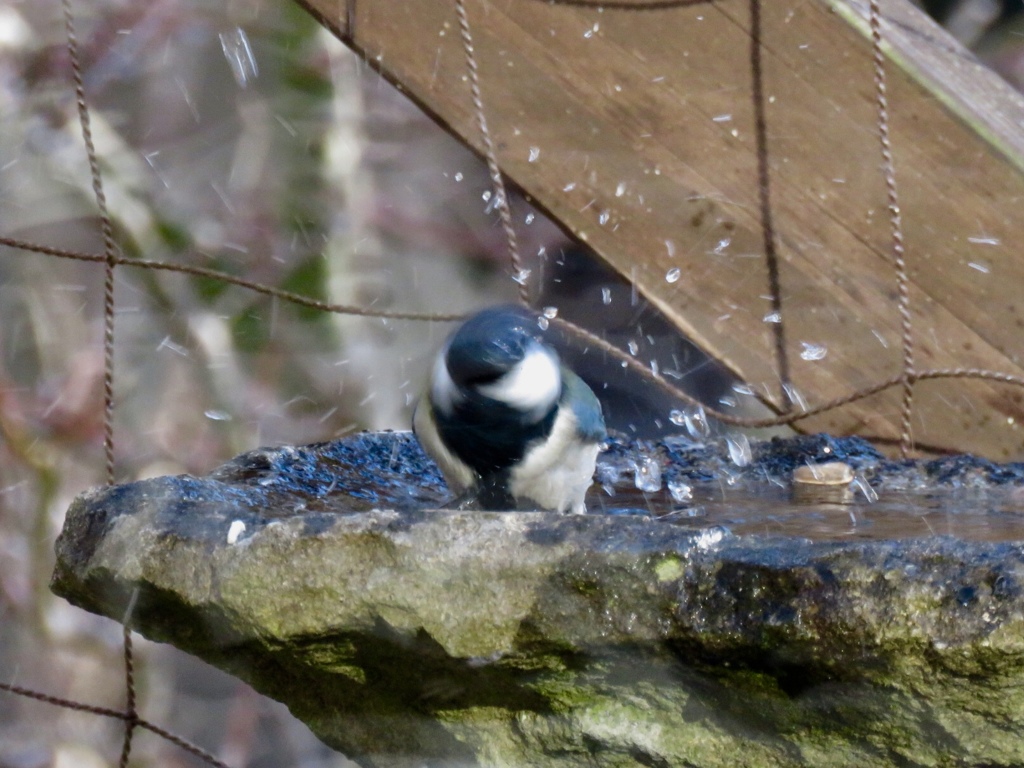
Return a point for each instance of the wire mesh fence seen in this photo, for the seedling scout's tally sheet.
(152, 328)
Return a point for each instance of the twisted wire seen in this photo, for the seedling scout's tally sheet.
(109, 246)
(109, 262)
(114, 714)
(110, 258)
(896, 226)
(502, 201)
(581, 333)
(213, 274)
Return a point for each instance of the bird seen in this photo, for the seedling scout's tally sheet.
(508, 425)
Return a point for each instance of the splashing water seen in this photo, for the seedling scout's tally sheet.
(739, 449)
(647, 474)
(680, 490)
(710, 537)
(860, 483)
(812, 351)
(697, 423)
(238, 52)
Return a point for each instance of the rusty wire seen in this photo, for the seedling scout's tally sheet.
(115, 714)
(502, 202)
(895, 225)
(111, 258)
(579, 332)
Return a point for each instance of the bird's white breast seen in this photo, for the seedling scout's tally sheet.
(556, 473)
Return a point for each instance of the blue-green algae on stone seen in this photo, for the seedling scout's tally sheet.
(643, 634)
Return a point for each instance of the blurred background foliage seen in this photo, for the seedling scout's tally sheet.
(240, 136)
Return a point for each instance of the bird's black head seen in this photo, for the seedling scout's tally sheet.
(490, 344)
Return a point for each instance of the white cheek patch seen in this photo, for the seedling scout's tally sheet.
(532, 386)
(444, 394)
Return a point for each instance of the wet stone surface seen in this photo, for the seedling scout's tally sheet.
(698, 616)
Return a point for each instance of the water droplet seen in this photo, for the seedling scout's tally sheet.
(459, 176)
(620, 190)
(530, 218)
(722, 118)
(739, 449)
(534, 154)
(697, 423)
(521, 276)
(722, 245)
(671, 248)
(543, 323)
(983, 240)
(486, 195)
(238, 52)
(550, 312)
(680, 490)
(795, 396)
(980, 267)
(217, 415)
(603, 218)
(569, 187)
(677, 417)
(861, 484)
(772, 317)
(811, 351)
(606, 295)
(633, 347)
(709, 537)
(672, 275)
(647, 474)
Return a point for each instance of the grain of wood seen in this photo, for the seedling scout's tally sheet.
(644, 126)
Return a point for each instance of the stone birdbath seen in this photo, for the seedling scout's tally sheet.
(701, 613)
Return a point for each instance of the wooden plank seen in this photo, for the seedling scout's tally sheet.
(636, 130)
